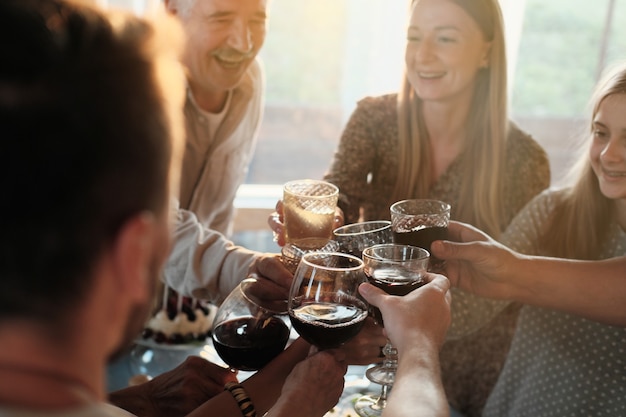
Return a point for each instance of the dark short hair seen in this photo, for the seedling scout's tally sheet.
(84, 146)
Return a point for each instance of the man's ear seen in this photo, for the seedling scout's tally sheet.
(133, 255)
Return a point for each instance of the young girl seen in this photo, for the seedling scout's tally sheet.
(563, 364)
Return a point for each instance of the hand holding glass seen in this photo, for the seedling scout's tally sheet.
(248, 331)
(398, 270)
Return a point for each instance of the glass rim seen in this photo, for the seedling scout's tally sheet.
(331, 186)
(444, 207)
(244, 284)
(360, 264)
(424, 253)
(385, 224)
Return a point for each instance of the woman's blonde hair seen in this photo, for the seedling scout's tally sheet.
(580, 222)
(480, 202)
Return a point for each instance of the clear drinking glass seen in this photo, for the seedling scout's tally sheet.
(291, 253)
(420, 223)
(325, 306)
(398, 270)
(250, 331)
(353, 238)
(309, 209)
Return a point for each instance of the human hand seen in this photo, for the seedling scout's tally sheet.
(365, 347)
(275, 222)
(176, 392)
(422, 316)
(314, 385)
(475, 262)
(273, 279)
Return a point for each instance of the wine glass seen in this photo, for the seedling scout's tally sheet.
(325, 307)
(398, 270)
(250, 330)
(355, 237)
(419, 223)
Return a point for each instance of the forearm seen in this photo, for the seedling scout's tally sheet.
(417, 390)
(263, 388)
(592, 289)
(202, 262)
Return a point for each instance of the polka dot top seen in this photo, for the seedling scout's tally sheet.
(559, 364)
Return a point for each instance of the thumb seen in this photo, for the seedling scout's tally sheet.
(447, 250)
(372, 294)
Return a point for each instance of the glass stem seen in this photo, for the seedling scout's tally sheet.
(382, 400)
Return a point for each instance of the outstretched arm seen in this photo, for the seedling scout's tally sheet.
(416, 324)
(592, 289)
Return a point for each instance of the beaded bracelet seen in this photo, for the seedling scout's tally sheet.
(241, 396)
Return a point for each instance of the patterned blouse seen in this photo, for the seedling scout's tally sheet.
(559, 364)
(365, 170)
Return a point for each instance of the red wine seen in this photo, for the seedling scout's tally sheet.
(249, 344)
(329, 325)
(423, 237)
(394, 283)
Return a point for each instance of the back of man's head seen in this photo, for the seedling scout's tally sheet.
(84, 145)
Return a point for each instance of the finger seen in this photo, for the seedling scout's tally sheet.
(372, 294)
(440, 282)
(447, 250)
(271, 268)
(463, 232)
(269, 294)
(339, 217)
(274, 222)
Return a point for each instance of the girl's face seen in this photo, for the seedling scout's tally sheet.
(444, 52)
(608, 147)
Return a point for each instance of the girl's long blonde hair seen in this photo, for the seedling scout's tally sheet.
(580, 223)
(480, 202)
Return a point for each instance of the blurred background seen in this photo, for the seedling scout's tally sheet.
(321, 56)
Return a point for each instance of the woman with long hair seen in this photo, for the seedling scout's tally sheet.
(447, 136)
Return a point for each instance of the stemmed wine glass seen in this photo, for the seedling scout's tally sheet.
(250, 330)
(353, 238)
(324, 306)
(398, 270)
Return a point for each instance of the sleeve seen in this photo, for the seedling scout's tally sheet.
(470, 312)
(203, 263)
(354, 159)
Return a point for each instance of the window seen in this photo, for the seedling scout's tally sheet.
(322, 56)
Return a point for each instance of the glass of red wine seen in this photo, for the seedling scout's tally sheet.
(325, 306)
(250, 330)
(419, 223)
(398, 270)
(353, 238)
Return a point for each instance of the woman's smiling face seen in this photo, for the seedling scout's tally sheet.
(445, 50)
(608, 147)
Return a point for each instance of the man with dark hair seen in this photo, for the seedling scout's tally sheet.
(90, 150)
(85, 176)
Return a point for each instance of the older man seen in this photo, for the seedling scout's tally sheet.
(223, 108)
